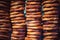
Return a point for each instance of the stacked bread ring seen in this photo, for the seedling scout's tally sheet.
(50, 19)
(5, 25)
(17, 19)
(33, 20)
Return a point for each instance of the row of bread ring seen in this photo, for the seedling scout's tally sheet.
(50, 9)
(33, 24)
(17, 6)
